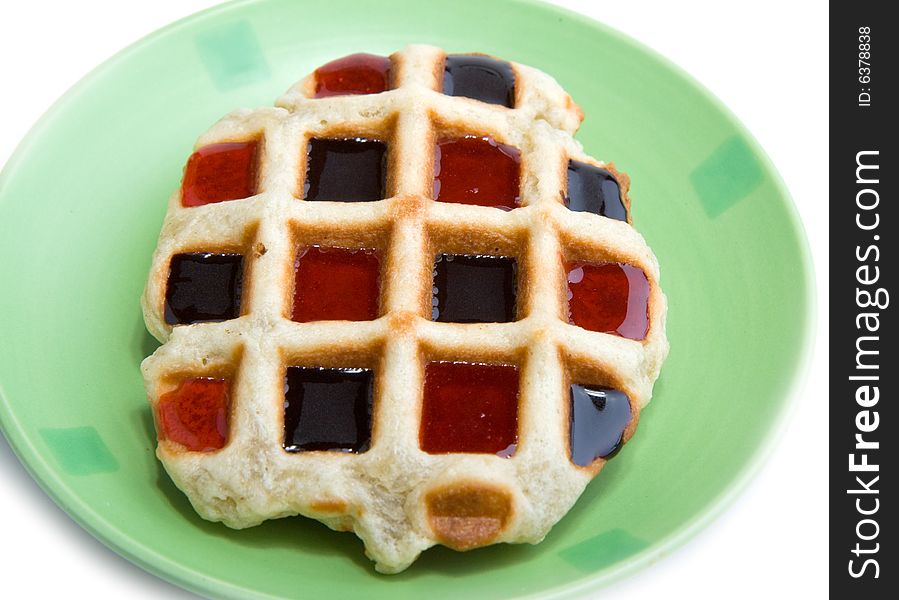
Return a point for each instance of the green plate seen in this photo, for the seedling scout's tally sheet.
(83, 198)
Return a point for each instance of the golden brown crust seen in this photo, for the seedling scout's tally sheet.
(331, 505)
(464, 516)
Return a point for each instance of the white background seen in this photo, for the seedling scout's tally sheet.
(766, 59)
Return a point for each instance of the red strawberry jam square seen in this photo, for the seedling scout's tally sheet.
(195, 414)
(336, 284)
(610, 298)
(353, 75)
(220, 172)
(469, 407)
(477, 170)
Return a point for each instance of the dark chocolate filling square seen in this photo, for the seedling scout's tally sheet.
(346, 170)
(474, 289)
(203, 287)
(327, 409)
(479, 77)
(597, 420)
(595, 190)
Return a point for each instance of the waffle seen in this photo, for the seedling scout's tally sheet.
(398, 426)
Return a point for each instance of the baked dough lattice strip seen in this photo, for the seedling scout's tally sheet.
(398, 485)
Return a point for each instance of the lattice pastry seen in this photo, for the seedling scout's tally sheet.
(403, 302)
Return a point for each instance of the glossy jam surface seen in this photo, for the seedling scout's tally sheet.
(474, 289)
(469, 407)
(477, 170)
(346, 170)
(203, 287)
(195, 414)
(610, 298)
(327, 409)
(595, 190)
(336, 284)
(220, 172)
(597, 420)
(479, 77)
(353, 75)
